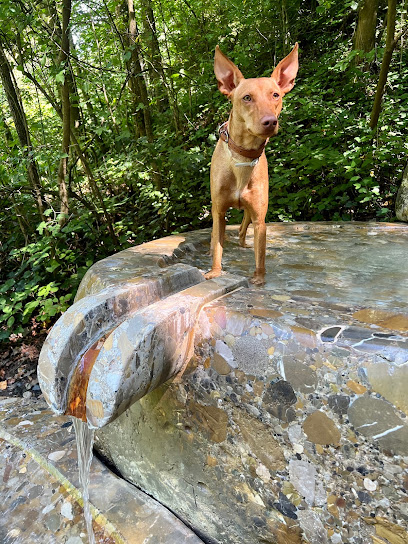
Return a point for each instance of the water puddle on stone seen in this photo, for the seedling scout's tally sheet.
(84, 440)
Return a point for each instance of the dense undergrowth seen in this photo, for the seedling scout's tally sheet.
(325, 164)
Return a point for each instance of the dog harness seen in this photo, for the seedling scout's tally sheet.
(247, 153)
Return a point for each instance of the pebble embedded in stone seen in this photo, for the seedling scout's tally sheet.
(305, 337)
(383, 318)
(339, 404)
(299, 375)
(56, 455)
(329, 335)
(295, 433)
(279, 398)
(364, 497)
(391, 381)
(265, 312)
(320, 429)
(356, 387)
(225, 352)
(261, 443)
(285, 507)
(263, 472)
(251, 355)
(66, 510)
(376, 418)
(370, 485)
(313, 527)
(220, 365)
(48, 508)
(302, 475)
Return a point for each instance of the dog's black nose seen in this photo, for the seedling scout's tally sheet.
(269, 121)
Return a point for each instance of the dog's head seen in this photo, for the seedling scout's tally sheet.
(256, 102)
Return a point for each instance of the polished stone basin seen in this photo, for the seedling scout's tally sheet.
(289, 421)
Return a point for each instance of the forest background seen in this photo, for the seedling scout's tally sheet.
(108, 118)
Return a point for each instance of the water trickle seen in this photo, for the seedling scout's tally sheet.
(84, 440)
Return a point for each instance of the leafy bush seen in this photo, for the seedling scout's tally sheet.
(325, 163)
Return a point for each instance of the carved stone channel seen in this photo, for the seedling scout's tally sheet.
(110, 348)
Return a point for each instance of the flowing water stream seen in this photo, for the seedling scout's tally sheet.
(84, 440)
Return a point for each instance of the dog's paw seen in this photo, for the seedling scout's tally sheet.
(244, 244)
(257, 279)
(214, 273)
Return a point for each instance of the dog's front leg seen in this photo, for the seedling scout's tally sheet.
(260, 249)
(217, 243)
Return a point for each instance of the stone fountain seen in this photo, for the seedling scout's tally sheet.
(274, 414)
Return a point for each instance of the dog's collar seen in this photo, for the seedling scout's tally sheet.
(247, 153)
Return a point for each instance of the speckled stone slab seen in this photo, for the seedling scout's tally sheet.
(289, 425)
(40, 499)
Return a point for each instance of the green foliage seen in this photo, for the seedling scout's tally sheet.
(325, 163)
(42, 278)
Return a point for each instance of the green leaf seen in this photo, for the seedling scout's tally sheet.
(30, 307)
(10, 321)
(60, 77)
(52, 266)
(7, 284)
(41, 227)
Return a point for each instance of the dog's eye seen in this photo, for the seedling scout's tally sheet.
(275, 95)
(247, 98)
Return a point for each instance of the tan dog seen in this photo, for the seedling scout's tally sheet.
(239, 170)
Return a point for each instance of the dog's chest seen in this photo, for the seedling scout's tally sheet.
(242, 176)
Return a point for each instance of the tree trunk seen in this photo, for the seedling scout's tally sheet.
(285, 26)
(66, 113)
(105, 92)
(95, 189)
(20, 122)
(391, 42)
(137, 81)
(82, 157)
(170, 85)
(364, 36)
(154, 59)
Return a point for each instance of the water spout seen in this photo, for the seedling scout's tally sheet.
(96, 363)
(85, 323)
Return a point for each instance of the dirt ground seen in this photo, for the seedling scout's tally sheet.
(18, 366)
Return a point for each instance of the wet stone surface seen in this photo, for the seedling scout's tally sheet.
(40, 500)
(289, 424)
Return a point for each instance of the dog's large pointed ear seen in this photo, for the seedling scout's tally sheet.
(227, 74)
(285, 73)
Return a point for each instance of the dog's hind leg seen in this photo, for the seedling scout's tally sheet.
(243, 228)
